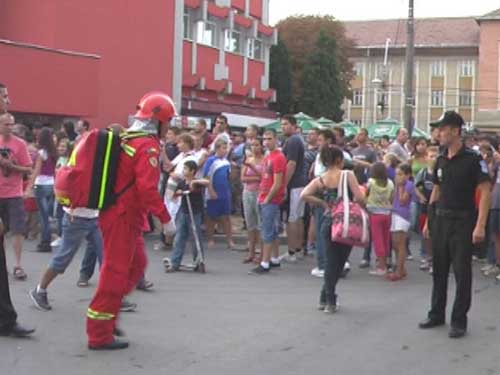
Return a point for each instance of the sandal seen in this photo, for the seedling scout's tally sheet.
(19, 273)
(248, 260)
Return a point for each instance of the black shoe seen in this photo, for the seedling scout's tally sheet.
(44, 247)
(116, 344)
(40, 300)
(430, 323)
(118, 332)
(16, 331)
(456, 333)
(259, 270)
(274, 265)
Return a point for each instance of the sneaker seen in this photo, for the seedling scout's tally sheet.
(44, 247)
(316, 272)
(493, 271)
(347, 269)
(364, 264)
(321, 306)
(409, 257)
(497, 277)
(40, 300)
(331, 309)
(487, 267)
(56, 243)
(259, 270)
(424, 266)
(128, 306)
(274, 265)
(430, 270)
(287, 257)
(378, 272)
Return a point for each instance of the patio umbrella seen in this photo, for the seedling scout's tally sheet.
(419, 133)
(350, 129)
(325, 122)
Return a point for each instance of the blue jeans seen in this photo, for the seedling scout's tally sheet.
(320, 243)
(183, 230)
(270, 221)
(74, 230)
(44, 195)
(59, 217)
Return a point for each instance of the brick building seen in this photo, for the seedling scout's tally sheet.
(456, 67)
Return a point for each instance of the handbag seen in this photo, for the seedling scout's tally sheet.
(349, 219)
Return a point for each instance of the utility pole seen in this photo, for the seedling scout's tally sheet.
(410, 65)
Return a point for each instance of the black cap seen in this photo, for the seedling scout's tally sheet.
(449, 118)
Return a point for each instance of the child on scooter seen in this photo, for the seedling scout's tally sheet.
(183, 221)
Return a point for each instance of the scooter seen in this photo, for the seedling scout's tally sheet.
(199, 262)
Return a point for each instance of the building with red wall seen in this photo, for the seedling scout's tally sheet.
(94, 59)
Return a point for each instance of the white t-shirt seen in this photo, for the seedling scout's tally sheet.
(87, 213)
(43, 179)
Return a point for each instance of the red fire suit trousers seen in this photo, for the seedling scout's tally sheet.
(124, 263)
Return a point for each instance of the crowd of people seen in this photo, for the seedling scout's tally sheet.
(279, 182)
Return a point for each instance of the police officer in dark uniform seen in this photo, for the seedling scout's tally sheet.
(453, 229)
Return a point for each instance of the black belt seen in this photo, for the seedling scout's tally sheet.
(454, 214)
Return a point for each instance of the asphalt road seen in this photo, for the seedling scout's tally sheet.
(229, 322)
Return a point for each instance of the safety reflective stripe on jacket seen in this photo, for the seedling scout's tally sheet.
(92, 314)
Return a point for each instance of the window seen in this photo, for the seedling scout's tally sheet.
(206, 33)
(254, 49)
(187, 25)
(466, 68)
(357, 98)
(437, 98)
(358, 69)
(356, 122)
(232, 41)
(437, 69)
(465, 98)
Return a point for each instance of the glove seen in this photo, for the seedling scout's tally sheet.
(169, 228)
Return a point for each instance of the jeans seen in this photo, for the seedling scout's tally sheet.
(59, 217)
(336, 256)
(320, 244)
(44, 195)
(183, 230)
(75, 229)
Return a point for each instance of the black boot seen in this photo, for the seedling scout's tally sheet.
(44, 247)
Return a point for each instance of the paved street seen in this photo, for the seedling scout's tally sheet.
(228, 322)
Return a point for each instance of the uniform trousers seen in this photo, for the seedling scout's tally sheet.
(124, 263)
(8, 314)
(452, 245)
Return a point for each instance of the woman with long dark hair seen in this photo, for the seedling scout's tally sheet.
(323, 192)
(42, 183)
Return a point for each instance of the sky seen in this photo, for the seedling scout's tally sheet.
(380, 9)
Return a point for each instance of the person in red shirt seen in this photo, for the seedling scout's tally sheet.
(271, 194)
(124, 259)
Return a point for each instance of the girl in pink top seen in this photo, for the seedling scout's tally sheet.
(251, 174)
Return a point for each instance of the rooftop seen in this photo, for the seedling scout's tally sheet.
(429, 32)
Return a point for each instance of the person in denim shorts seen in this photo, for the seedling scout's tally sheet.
(271, 194)
(78, 224)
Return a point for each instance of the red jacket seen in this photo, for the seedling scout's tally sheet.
(142, 197)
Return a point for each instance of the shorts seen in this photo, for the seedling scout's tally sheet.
(399, 224)
(295, 205)
(251, 210)
(219, 207)
(13, 214)
(271, 224)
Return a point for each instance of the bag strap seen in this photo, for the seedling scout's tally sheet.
(345, 202)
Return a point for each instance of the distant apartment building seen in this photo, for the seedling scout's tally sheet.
(450, 70)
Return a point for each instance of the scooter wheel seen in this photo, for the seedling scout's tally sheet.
(201, 268)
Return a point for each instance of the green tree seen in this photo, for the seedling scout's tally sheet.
(281, 78)
(322, 88)
(300, 35)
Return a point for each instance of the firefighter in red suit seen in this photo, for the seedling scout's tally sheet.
(124, 257)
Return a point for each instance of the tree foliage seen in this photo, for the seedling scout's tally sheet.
(300, 35)
(281, 78)
(322, 91)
